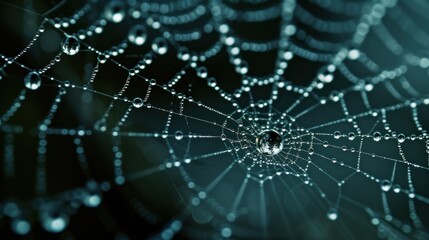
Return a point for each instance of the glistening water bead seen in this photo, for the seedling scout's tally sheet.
(332, 214)
(54, 222)
(269, 142)
(137, 102)
(115, 11)
(137, 35)
(70, 45)
(377, 136)
(160, 46)
(32, 81)
(20, 225)
(385, 185)
(179, 135)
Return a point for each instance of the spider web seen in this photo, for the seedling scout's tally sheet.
(163, 102)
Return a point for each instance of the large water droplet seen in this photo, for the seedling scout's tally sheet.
(101, 58)
(212, 82)
(20, 225)
(54, 220)
(396, 188)
(100, 126)
(337, 134)
(401, 138)
(183, 54)
(32, 80)
(70, 45)
(385, 185)
(137, 35)
(352, 136)
(376, 136)
(92, 196)
(269, 142)
(226, 232)
(92, 200)
(164, 134)
(332, 214)
(137, 102)
(115, 11)
(11, 209)
(179, 135)
(202, 72)
(160, 46)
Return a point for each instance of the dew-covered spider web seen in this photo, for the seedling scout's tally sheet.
(191, 119)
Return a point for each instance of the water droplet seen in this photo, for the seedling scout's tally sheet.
(92, 197)
(148, 58)
(334, 96)
(231, 217)
(179, 135)
(20, 225)
(269, 142)
(243, 67)
(183, 54)
(164, 134)
(311, 151)
(54, 221)
(101, 58)
(332, 214)
(137, 102)
(70, 45)
(160, 46)
(325, 144)
(377, 136)
(115, 11)
(337, 134)
(100, 126)
(396, 188)
(92, 200)
(137, 35)
(369, 87)
(385, 185)
(11, 209)
(401, 138)
(32, 80)
(352, 136)
(211, 82)
(354, 54)
(226, 232)
(375, 221)
(202, 72)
